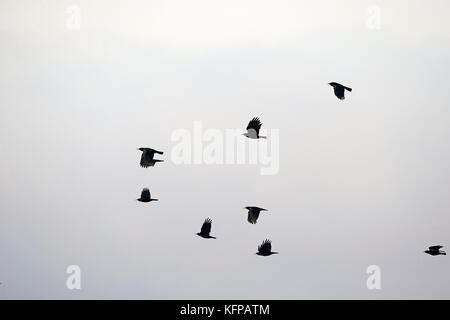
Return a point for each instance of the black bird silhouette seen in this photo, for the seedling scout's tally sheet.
(339, 90)
(147, 157)
(265, 249)
(145, 196)
(253, 214)
(253, 129)
(435, 251)
(206, 229)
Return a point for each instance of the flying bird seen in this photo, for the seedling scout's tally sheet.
(145, 196)
(339, 90)
(253, 214)
(147, 158)
(435, 251)
(265, 249)
(206, 229)
(253, 129)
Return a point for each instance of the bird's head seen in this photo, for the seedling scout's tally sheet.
(245, 135)
(333, 84)
(140, 149)
(247, 208)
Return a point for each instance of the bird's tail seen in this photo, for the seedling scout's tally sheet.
(155, 199)
(159, 152)
(262, 137)
(275, 252)
(443, 253)
(157, 160)
(348, 89)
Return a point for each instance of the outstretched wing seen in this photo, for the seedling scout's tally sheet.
(145, 194)
(206, 227)
(253, 216)
(265, 247)
(435, 248)
(253, 127)
(339, 92)
(147, 158)
(149, 153)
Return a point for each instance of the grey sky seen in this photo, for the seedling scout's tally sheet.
(362, 181)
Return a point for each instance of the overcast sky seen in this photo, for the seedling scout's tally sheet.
(364, 181)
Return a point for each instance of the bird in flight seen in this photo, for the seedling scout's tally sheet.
(253, 214)
(253, 129)
(145, 196)
(206, 229)
(339, 90)
(435, 251)
(147, 157)
(265, 249)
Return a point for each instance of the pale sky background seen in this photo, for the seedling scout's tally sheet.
(362, 181)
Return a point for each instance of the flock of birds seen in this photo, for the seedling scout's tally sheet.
(253, 127)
